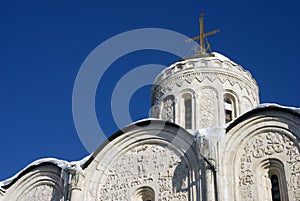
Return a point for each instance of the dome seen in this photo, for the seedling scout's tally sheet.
(203, 92)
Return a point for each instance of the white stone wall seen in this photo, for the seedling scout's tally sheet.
(42, 183)
(264, 144)
(208, 80)
(159, 161)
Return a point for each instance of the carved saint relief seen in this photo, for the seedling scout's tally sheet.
(146, 165)
(43, 192)
(208, 108)
(168, 112)
(264, 146)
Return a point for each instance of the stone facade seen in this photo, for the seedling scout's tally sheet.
(43, 182)
(208, 82)
(188, 153)
(257, 148)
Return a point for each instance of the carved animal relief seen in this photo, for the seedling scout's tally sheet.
(149, 166)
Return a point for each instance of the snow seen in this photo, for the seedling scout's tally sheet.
(221, 57)
(266, 105)
(217, 56)
(212, 135)
(64, 165)
(145, 119)
(80, 162)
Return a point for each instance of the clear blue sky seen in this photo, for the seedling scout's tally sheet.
(43, 44)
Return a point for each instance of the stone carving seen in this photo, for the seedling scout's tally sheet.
(146, 165)
(168, 112)
(189, 78)
(43, 192)
(245, 105)
(208, 107)
(246, 175)
(203, 63)
(265, 146)
(156, 93)
(77, 180)
(92, 191)
(164, 85)
(293, 153)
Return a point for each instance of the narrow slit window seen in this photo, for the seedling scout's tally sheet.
(188, 112)
(275, 188)
(228, 106)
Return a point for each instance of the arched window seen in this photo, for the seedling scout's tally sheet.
(275, 189)
(144, 194)
(271, 185)
(229, 108)
(187, 111)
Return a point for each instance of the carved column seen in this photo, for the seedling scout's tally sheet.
(177, 110)
(210, 192)
(76, 185)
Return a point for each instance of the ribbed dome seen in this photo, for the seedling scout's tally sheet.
(203, 87)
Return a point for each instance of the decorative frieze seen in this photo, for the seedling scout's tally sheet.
(168, 85)
(200, 64)
(264, 146)
(168, 111)
(208, 108)
(146, 165)
(245, 105)
(247, 93)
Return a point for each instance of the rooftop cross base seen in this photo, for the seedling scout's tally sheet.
(201, 50)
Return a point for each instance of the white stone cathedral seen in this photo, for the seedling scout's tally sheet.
(209, 139)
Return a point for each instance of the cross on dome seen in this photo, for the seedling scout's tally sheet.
(203, 46)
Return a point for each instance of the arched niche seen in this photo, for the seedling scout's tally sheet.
(255, 145)
(144, 193)
(41, 182)
(155, 154)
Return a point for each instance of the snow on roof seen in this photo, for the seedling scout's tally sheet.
(216, 55)
(76, 165)
(268, 105)
(211, 57)
(262, 106)
(221, 57)
(64, 165)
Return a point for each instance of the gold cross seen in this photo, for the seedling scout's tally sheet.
(202, 36)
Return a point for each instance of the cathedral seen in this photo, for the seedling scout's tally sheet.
(208, 139)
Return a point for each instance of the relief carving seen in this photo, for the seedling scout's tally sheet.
(245, 105)
(77, 180)
(43, 192)
(264, 146)
(267, 144)
(208, 107)
(164, 85)
(146, 165)
(168, 112)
